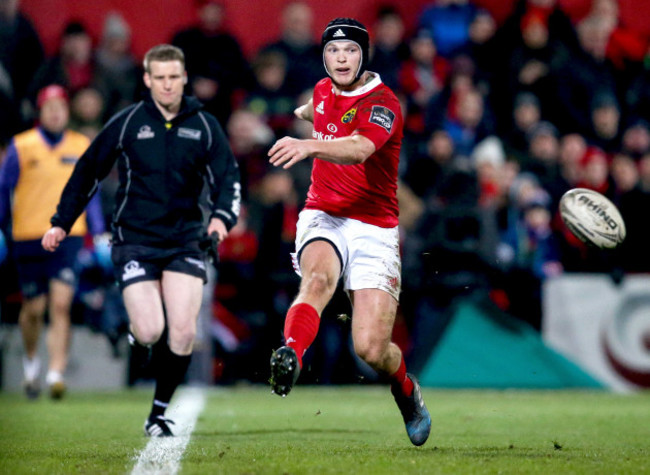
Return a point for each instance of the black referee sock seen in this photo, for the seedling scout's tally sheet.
(170, 371)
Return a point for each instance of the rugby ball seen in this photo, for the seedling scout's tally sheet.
(592, 218)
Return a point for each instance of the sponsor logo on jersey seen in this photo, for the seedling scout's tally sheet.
(383, 117)
(320, 108)
(348, 116)
(332, 128)
(339, 33)
(196, 262)
(132, 270)
(145, 132)
(321, 136)
(186, 133)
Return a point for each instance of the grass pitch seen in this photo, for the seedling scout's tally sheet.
(337, 430)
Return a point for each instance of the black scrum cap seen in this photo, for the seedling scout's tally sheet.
(347, 29)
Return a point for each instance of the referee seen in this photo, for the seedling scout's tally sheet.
(166, 147)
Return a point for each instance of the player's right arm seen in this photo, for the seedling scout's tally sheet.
(306, 111)
(351, 150)
(52, 238)
(9, 173)
(91, 168)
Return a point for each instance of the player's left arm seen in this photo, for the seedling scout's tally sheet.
(223, 178)
(350, 150)
(306, 111)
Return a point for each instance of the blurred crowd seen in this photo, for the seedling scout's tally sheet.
(500, 121)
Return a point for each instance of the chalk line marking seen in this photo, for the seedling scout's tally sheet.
(162, 455)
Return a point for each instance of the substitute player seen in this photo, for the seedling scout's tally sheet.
(348, 228)
(37, 166)
(165, 147)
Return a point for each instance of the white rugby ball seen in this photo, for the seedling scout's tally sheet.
(592, 218)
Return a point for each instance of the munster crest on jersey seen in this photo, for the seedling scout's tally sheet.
(348, 116)
(383, 117)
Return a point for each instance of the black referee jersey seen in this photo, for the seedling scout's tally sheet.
(162, 166)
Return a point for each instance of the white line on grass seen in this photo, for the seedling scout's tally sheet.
(162, 455)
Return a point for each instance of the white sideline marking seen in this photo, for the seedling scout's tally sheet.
(162, 455)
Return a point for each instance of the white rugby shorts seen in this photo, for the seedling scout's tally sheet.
(369, 254)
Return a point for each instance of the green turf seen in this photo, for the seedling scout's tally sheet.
(338, 430)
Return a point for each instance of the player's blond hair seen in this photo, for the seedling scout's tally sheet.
(163, 53)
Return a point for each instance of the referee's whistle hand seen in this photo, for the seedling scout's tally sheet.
(53, 238)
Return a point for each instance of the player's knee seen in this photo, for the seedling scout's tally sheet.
(60, 310)
(370, 351)
(319, 283)
(147, 334)
(181, 339)
(28, 317)
(31, 312)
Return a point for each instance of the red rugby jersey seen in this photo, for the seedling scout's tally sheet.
(367, 191)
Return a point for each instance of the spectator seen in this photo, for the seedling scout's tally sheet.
(216, 66)
(624, 46)
(424, 171)
(297, 45)
(470, 124)
(250, 138)
(390, 49)
(449, 22)
(421, 78)
(73, 67)
(449, 255)
(270, 98)
(588, 74)
(624, 176)
(117, 75)
(633, 206)
(533, 63)
(595, 171)
(605, 120)
(489, 159)
(526, 116)
(529, 251)
(636, 139)
(637, 96)
(240, 322)
(560, 27)
(572, 148)
(544, 161)
(20, 56)
(277, 212)
(445, 104)
(482, 49)
(87, 110)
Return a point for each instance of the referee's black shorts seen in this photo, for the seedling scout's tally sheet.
(136, 263)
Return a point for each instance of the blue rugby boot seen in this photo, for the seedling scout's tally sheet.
(415, 414)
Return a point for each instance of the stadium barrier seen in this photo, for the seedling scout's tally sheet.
(485, 348)
(601, 325)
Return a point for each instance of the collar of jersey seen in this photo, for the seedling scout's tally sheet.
(376, 81)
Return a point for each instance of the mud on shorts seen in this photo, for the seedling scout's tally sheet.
(36, 266)
(136, 263)
(369, 254)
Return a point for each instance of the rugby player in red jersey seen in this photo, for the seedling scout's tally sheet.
(348, 228)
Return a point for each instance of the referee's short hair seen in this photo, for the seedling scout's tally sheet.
(163, 52)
